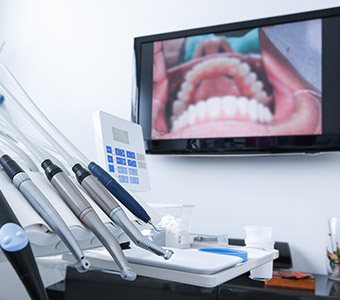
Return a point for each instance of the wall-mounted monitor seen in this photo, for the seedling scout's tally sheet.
(263, 86)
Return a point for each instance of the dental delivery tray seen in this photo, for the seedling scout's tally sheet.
(189, 266)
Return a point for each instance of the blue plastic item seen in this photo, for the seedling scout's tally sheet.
(12, 237)
(227, 251)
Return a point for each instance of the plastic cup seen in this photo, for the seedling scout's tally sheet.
(260, 237)
(258, 232)
(262, 273)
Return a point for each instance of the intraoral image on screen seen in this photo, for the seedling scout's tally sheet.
(258, 82)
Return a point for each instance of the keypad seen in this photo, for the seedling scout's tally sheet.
(125, 163)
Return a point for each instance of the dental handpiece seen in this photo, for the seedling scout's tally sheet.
(44, 208)
(119, 192)
(113, 186)
(103, 199)
(86, 214)
(74, 199)
(16, 247)
(108, 204)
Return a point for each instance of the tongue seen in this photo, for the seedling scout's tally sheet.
(216, 87)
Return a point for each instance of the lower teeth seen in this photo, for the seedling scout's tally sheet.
(222, 108)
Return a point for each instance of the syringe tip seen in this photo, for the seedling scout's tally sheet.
(154, 227)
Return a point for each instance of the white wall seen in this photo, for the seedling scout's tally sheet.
(75, 57)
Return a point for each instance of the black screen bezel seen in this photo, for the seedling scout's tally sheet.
(243, 145)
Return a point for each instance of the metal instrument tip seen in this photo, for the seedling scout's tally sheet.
(154, 227)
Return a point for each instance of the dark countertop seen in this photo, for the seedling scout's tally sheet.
(86, 285)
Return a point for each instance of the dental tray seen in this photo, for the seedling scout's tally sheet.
(185, 266)
(190, 261)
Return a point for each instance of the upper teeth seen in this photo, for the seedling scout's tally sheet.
(223, 108)
(241, 71)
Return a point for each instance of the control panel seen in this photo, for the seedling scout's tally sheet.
(121, 151)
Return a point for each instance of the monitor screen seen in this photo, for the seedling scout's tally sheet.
(256, 80)
(264, 81)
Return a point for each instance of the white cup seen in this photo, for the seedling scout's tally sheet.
(260, 237)
(258, 232)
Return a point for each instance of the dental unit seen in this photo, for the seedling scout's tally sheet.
(92, 186)
(105, 178)
(16, 247)
(44, 208)
(75, 200)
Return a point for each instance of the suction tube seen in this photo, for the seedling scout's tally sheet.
(15, 245)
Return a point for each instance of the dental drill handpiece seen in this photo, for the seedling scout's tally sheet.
(44, 208)
(99, 194)
(16, 247)
(112, 185)
(86, 214)
(74, 200)
(108, 204)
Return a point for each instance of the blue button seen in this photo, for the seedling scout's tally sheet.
(130, 154)
(121, 161)
(108, 149)
(132, 163)
(110, 158)
(120, 152)
(111, 168)
(133, 172)
(122, 170)
(134, 180)
(123, 179)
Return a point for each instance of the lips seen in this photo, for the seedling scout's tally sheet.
(231, 95)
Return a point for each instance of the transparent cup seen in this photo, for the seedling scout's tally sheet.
(258, 232)
(175, 222)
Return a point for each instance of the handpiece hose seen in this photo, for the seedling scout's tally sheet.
(15, 245)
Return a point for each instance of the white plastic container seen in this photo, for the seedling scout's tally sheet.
(260, 237)
(175, 221)
(258, 232)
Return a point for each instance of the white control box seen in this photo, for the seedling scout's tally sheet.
(121, 151)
